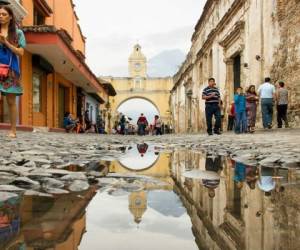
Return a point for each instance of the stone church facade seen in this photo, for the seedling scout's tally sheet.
(239, 43)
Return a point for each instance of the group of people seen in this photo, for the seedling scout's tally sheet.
(156, 128)
(142, 127)
(243, 110)
(264, 178)
(85, 125)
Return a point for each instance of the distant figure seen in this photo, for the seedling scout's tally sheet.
(222, 114)
(251, 106)
(239, 174)
(282, 97)
(240, 111)
(69, 123)
(88, 123)
(157, 125)
(142, 124)
(126, 129)
(231, 117)
(142, 148)
(267, 92)
(122, 124)
(213, 164)
(266, 182)
(211, 95)
(251, 176)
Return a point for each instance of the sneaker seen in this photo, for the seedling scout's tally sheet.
(210, 133)
(269, 126)
(218, 133)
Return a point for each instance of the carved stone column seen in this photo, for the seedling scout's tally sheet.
(229, 85)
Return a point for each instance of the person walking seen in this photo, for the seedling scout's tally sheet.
(122, 124)
(211, 95)
(142, 124)
(251, 107)
(266, 92)
(157, 125)
(240, 111)
(282, 97)
(12, 44)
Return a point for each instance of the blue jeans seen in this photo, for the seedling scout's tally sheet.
(267, 111)
(241, 122)
(213, 109)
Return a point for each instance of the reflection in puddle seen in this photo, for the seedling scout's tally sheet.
(138, 220)
(184, 200)
(139, 157)
(249, 207)
(46, 223)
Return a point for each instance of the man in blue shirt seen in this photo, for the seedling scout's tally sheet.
(211, 95)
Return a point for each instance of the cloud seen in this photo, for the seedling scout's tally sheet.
(113, 27)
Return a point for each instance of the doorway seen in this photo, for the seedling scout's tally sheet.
(39, 97)
(236, 72)
(62, 93)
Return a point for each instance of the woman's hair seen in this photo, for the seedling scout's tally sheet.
(12, 31)
(249, 89)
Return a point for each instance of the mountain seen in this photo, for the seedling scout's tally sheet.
(165, 63)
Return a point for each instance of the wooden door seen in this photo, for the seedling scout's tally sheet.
(61, 105)
(39, 98)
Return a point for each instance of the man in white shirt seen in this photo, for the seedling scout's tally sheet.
(267, 92)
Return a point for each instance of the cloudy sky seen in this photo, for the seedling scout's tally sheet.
(113, 27)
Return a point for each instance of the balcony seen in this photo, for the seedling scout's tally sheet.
(18, 9)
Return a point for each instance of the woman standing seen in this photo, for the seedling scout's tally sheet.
(12, 43)
(251, 107)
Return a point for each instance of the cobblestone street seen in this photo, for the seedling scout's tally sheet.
(32, 152)
(58, 172)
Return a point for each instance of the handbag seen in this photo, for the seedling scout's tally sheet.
(4, 70)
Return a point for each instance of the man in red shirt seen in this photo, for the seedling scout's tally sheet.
(142, 124)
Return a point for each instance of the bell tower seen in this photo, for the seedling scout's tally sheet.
(137, 63)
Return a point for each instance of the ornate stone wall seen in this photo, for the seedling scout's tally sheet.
(261, 37)
(287, 55)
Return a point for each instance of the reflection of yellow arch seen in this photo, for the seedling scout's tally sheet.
(137, 97)
(159, 169)
(140, 170)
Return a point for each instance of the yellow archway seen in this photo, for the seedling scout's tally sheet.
(156, 90)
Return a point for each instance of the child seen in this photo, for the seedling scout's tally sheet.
(231, 117)
(240, 111)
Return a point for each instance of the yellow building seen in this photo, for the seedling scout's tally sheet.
(140, 85)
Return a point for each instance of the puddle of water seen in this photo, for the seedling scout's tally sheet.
(138, 220)
(184, 200)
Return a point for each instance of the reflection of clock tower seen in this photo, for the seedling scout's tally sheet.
(138, 205)
(137, 63)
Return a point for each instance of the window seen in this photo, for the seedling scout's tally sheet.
(38, 17)
(37, 92)
(137, 83)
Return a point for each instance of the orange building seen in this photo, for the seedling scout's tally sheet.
(55, 77)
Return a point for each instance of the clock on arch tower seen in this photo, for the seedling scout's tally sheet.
(137, 63)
